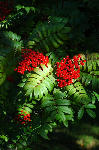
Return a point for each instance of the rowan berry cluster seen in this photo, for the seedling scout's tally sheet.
(22, 118)
(68, 69)
(4, 10)
(31, 59)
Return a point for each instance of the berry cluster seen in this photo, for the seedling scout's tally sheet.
(68, 69)
(22, 118)
(31, 59)
(4, 10)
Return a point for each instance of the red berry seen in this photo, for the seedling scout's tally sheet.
(31, 58)
(67, 70)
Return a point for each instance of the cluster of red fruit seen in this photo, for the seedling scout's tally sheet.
(4, 10)
(68, 69)
(22, 118)
(31, 59)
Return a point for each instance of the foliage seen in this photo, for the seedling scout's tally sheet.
(56, 30)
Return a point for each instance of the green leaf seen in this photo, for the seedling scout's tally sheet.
(89, 79)
(50, 34)
(63, 102)
(24, 143)
(40, 82)
(60, 116)
(65, 123)
(65, 109)
(24, 80)
(21, 84)
(33, 102)
(47, 103)
(2, 69)
(30, 105)
(27, 109)
(58, 94)
(50, 108)
(80, 113)
(91, 113)
(19, 109)
(94, 72)
(20, 146)
(44, 134)
(27, 9)
(90, 106)
(53, 115)
(97, 95)
(93, 99)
